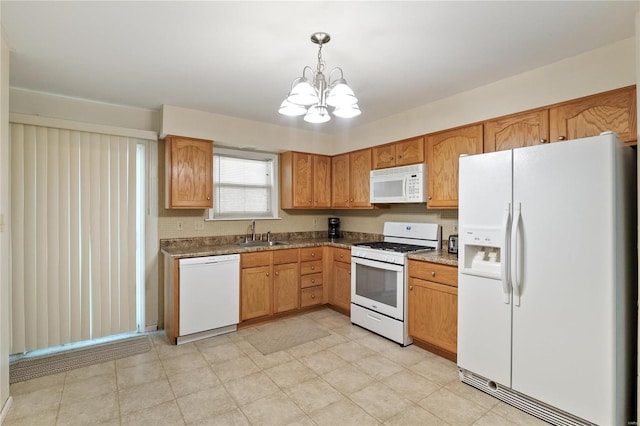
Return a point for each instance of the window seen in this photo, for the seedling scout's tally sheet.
(244, 185)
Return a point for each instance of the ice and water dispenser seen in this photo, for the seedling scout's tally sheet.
(483, 252)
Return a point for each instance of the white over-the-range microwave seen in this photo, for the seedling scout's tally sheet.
(405, 184)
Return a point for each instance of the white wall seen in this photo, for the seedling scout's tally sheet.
(5, 401)
(239, 133)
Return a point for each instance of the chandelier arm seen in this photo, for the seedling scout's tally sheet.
(331, 72)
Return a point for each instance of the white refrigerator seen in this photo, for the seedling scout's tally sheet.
(547, 302)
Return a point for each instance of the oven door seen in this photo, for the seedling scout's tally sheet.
(378, 286)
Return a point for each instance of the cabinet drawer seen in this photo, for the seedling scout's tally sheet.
(311, 253)
(310, 267)
(311, 280)
(250, 260)
(285, 256)
(342, 255)
(434, 272)
(311, 296)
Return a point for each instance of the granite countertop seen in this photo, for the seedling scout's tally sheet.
(214, 246)
(441, 256)
(218, 249)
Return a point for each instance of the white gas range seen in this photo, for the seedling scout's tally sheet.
(379, 278)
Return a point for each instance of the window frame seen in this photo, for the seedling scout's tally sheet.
(249, 155)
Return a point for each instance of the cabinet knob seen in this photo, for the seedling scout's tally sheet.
(433, 273)
(346, 201)
(267, 274)
(543, 140)
(429, 197)
(277, 273)
(313, 254)
(341, 256)
(313, 281)
(208, 198)
(313, 268)
(313, 296)
(562, 138)
(399, 156)
(410, 287)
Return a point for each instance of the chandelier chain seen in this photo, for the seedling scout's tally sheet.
(320, 61)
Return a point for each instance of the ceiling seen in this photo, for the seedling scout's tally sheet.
(239, 58)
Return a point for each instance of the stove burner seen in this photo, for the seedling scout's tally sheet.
(395, 247)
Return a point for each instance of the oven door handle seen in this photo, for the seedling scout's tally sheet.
(376, 264)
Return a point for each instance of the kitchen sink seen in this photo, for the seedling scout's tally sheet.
(260, 243)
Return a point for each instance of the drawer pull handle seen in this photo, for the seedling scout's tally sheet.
(313, 281)
(433, 273)
(313, 254)
(313, 296)
(313, 268)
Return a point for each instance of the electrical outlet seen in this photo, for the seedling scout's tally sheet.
(180, 225)
(199, 226)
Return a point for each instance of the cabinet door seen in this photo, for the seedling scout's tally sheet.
(341, 285)
(443, 151)
(590, 116)
(410, 151)
(384, 156)
(340, 180)
(321, 181)
(516, 131)
(285, 287)
(302, 180)
(359, 169)
(433, 313)
(256, 292)
(189, 171)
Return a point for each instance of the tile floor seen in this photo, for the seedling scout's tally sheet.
(351, 377)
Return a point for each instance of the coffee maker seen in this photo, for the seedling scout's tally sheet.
(334, 227)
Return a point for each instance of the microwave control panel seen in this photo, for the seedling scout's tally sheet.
(415, 188)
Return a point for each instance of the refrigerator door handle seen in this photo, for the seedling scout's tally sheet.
(514, 254)
(504, 273)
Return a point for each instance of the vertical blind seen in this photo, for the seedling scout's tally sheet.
(73, 207)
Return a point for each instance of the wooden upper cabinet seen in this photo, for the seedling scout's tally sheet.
(443, 151)
(305, 180)
(614, 110)
(350, 179)
(359, 178)
(410, 151)
(340, 188)
(401, 153)
(188, 173)
(517, 131)
(321, 181)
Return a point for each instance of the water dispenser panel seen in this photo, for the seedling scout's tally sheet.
(482, 252)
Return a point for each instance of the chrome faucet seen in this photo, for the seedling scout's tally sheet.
(253, 230)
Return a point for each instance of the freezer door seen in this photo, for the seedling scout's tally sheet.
(484, 307)
(564, 324)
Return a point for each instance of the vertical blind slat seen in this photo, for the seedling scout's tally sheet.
(74, 236)
(18, 325)
(52, 178)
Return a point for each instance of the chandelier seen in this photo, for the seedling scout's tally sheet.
(311, 96)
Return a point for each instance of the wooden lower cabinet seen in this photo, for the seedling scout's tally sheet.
(268, 283)
(256, 292)
(285, 287)
(311, 276)
(433, 307)
(340, 286)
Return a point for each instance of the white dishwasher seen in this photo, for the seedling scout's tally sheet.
(209, 296)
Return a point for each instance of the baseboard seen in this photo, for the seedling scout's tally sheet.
(436, 350)
(5, 409)
(151, 328)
